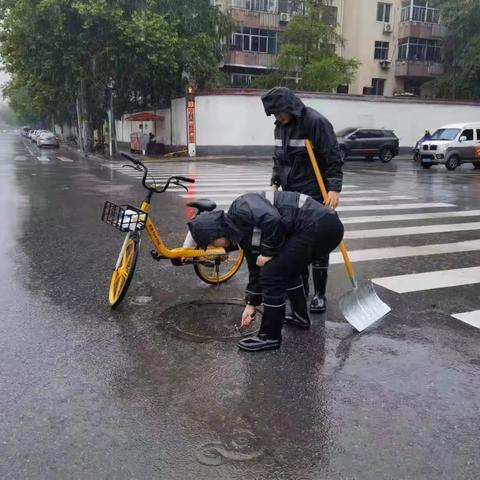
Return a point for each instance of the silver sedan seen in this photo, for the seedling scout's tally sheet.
(48, 139)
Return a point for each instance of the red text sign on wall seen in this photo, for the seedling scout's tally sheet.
(191, 121)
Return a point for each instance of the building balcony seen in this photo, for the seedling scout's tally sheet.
(250, 59)
(254, 19)
(422, 30)
(418, 69)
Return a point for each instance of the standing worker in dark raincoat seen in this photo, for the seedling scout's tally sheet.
(281, 233)
(293, 171)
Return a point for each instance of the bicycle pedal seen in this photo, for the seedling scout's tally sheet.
(155, 255)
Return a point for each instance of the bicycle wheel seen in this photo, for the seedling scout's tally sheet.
(124, 269)
(215, 270)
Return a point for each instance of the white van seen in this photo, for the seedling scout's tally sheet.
(452, 145)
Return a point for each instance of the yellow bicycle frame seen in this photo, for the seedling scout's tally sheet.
(162, 249)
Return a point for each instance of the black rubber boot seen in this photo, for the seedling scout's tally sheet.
(298, 315)
(270, 334)
(306, 281)
(319, 302)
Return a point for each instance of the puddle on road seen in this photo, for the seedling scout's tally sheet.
(206, 321)
(241, 447)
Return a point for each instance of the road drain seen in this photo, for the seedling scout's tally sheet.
(209, 320)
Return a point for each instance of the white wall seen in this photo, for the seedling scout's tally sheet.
(179, 122)
(239, 120)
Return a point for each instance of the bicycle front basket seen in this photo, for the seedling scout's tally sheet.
(124, 217)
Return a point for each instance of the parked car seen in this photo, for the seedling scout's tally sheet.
(36, 133)
(47, 139)
(368, 143)
(453, 145)
(24, 131)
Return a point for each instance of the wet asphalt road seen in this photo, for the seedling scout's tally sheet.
(139, 393)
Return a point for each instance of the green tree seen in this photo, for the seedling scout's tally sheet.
(59, 50)
(461, 79)
(307, 58)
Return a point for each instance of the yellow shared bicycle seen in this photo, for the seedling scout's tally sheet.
(213, 266)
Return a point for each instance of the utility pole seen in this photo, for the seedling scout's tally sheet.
(79, 123)
(111, 121)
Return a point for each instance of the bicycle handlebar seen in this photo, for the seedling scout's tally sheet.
(184, 179)
(176, 178)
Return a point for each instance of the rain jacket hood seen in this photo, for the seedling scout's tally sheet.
(282, 99)
(207, 227)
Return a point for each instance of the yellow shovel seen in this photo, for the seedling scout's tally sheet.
(362, 306)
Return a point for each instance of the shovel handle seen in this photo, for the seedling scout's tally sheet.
(321, 183)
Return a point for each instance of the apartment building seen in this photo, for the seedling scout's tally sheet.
(398, 42)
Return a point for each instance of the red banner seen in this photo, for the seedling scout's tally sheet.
(191, 121)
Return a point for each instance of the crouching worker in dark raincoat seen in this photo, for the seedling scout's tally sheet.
(281, 233)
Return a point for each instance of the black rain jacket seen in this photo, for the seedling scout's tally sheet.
(290, 213)
(292, 169)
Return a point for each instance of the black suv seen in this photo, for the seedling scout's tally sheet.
(368, 142)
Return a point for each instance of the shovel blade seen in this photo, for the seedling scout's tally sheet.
(362, 307)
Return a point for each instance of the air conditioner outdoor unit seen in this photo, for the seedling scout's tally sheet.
(385, 64)
(387, 28)
(284, 18)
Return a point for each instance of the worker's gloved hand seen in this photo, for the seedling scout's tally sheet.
(275, 181)
(248, 316)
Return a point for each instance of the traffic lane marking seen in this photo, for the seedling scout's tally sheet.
(371, 254)
(65, 159)
(421, 230)
(411, 216)
(471, 318)
(417, 282)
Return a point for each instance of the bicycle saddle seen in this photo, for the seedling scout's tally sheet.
(203, 205)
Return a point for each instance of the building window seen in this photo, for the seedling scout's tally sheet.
(420, 49)
(381, 50)
(255, 40)
(378, 86)
(270, 6)
(426, 11)
(330, 16)
(383, 12)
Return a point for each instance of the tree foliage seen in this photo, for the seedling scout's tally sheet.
(307, 53)
(462, 51)
(56, 50)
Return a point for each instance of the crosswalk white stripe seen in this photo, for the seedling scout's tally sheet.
(471, 318)
(65, 159)
(400, 206)
(420, 230)
(411, 216)
(376, 199)
(234, 194)
(43, 159)
(370, 254)
(416, 282)
(363, 192)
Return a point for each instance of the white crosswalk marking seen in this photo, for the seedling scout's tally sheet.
(65, 159)
(407, 251)
(402, 231)
(416, 282)
(471, 318)
(410, 216)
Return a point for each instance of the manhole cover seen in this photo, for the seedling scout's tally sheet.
(215, 320)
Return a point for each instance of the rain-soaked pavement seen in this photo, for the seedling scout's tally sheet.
(158, 390)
